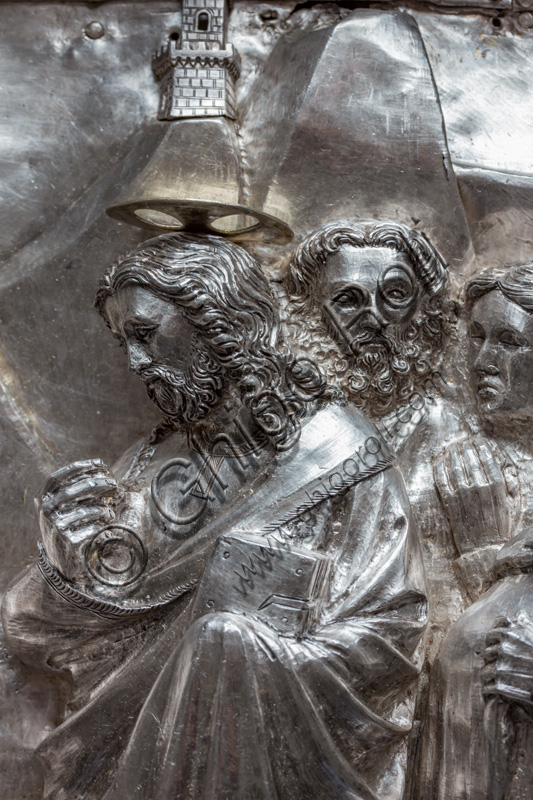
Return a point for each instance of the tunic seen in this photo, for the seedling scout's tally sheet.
(176, 705)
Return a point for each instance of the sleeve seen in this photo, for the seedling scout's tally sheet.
(47, 632)
(378, 609)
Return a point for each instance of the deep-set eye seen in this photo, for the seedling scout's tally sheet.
(143, 333)
(348, 299)
(397, 291)
(396, 288)
(477, 333)
(511, 339)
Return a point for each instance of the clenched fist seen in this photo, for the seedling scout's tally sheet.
(77, 501)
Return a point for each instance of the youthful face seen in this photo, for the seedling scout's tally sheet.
(163, 348)
(500, 352)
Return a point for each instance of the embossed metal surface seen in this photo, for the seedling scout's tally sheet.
(300, 566)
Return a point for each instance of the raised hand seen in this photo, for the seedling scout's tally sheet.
(479, 489)
(76, 502)
(508, 670)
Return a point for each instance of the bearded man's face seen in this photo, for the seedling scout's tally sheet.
(369, 297)
(164, 349)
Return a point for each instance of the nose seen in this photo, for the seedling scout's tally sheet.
(374, 314)
(367, 315)
(138, 357)
(485, 362)
(369, 318)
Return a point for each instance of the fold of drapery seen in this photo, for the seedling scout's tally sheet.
(239, 711)
(319, 713)
(460, 759)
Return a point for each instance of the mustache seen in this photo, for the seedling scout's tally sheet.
(184, 397)
(158, 372)
(369, 334)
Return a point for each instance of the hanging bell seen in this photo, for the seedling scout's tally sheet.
(193, 183)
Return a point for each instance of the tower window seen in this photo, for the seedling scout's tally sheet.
(202, 21)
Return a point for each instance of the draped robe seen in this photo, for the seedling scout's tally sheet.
(476, 747)
(170, 706)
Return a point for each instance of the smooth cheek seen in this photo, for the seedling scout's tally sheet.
(403, 317)
(472, 355)
(165, 352)
(173, 346)
(521, 382)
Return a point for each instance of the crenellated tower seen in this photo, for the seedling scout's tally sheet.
(197, 69)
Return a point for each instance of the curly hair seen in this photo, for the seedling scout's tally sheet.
(310, 257)
(222, 291)
(418, 349)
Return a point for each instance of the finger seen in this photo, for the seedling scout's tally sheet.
(78, 517)
(492, 652)
(501, 475)
(509, 693)
(516, 667)
(506, 639)
(506, 465)
(456, 467)
(514, 675)
(496, 504)
(499, 453)
(448, 493)
(508, 468)
(514, 636)
(502, 622)
(488, 674)
(504, 675)
(72, 472)
(489, 463)
(80, 535)
(475, 473)
(86, 488)
(517, 683)
(57, 497)
(512, 480)
(69, 490)
(495, 636)
(449, 461)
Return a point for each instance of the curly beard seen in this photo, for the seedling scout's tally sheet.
(185, 397)
(386, 367)
(380, 364)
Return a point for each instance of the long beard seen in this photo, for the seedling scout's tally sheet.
(186, 397)
(383, 368)
(380, 368)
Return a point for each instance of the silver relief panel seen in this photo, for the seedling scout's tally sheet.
(288, 555)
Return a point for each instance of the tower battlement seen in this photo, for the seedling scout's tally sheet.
(198, 70)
